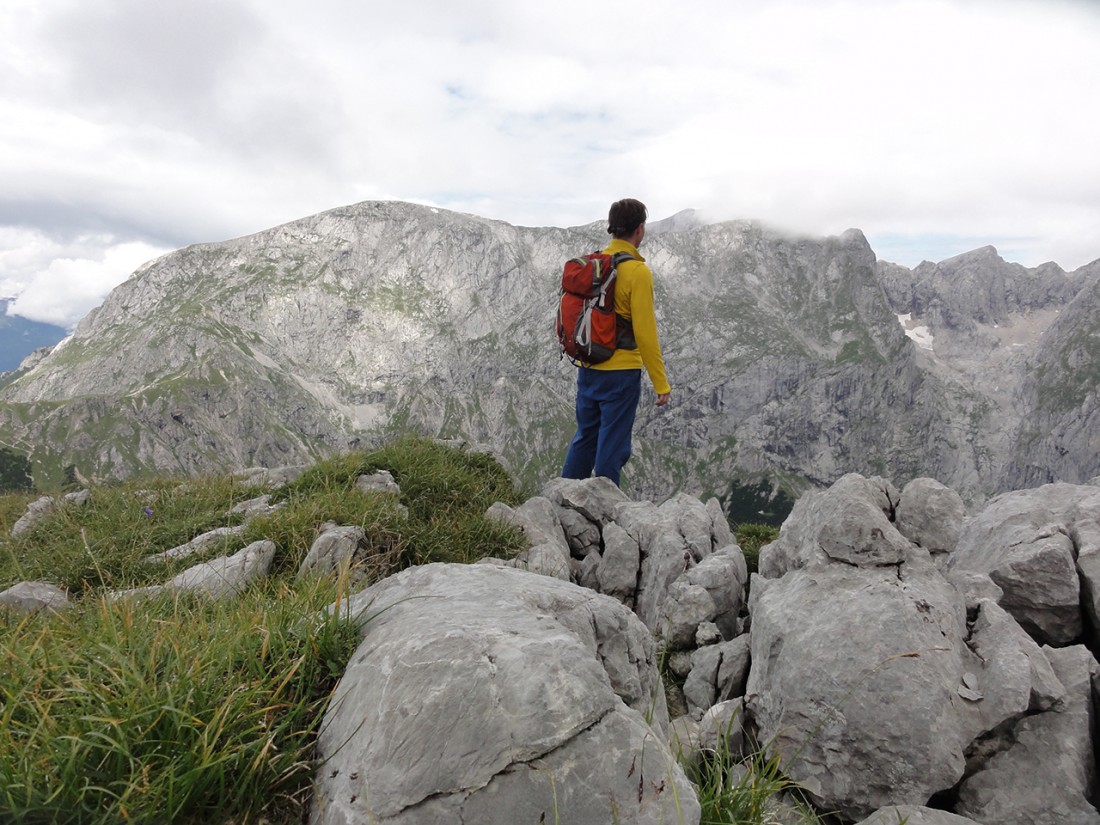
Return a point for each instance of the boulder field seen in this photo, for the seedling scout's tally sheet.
(901, 658)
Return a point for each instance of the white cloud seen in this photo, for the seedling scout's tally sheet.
(59, 283)
(918, 121)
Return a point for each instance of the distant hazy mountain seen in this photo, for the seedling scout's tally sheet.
(20, 337)
(793, 360)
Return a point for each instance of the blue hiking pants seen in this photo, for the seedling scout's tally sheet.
(607, 401)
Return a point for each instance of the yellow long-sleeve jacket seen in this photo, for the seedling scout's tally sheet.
(634, 301)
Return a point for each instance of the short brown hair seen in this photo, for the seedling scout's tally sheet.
(624, 217)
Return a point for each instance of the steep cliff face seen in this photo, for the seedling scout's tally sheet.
(1060, 438)
(976, 288)
(1025, 341)
(786, 358)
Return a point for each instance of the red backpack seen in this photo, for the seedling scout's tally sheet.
(588, 329)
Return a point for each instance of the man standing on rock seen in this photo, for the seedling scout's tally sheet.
(608, 393)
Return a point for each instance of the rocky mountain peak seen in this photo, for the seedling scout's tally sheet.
(785, 353)
(682, 221)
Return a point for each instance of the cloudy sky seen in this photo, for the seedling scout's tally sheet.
(129, 128)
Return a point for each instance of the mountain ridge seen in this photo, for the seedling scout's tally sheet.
(786, 355)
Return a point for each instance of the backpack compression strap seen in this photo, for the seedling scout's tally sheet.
(625, 335)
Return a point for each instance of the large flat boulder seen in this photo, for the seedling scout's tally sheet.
(491, 695)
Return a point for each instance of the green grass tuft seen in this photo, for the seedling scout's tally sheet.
(170, 710)
(751, 537)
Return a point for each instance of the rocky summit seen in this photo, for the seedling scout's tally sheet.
(794, 360)
(898, 659)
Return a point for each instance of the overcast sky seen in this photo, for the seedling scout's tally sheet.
(129, 128)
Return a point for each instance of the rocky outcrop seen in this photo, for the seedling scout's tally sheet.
(1027, 542)
(200, 544)
(45, 506)
(879, 682)
(858, 654)
(676, 565)
(892, 654)
(880, 673)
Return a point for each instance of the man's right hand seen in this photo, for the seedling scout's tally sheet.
(662, 398)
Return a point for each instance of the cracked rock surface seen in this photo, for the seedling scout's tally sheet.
(486, 694)
(870, 677)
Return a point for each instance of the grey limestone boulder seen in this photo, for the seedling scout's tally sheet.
(1084, 531)
(854, 682)
(32, 597)
(672, 538)
(45, 506)
(707, 634)
(722, 727)
(219, 578)
(847, 523)
(866, 678)
(270, 477)
(594, 498)
(701, 685)
(718, 673)
(617, 571)
(37, 510)
(915, 815)
(228, 575)
(200, 544)
(712, 591)
(1047, 774)
(719, 731)
(582, 535)
(1025, 542)
(1016, 673)
(931, 515)
(880, 677)
(485, 694)
(685, 607)
(379, 482)
(336, 548)
(77, 498)
(548, 551)
(259, 506)
(974, 587)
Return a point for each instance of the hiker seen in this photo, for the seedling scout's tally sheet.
(608, 392)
